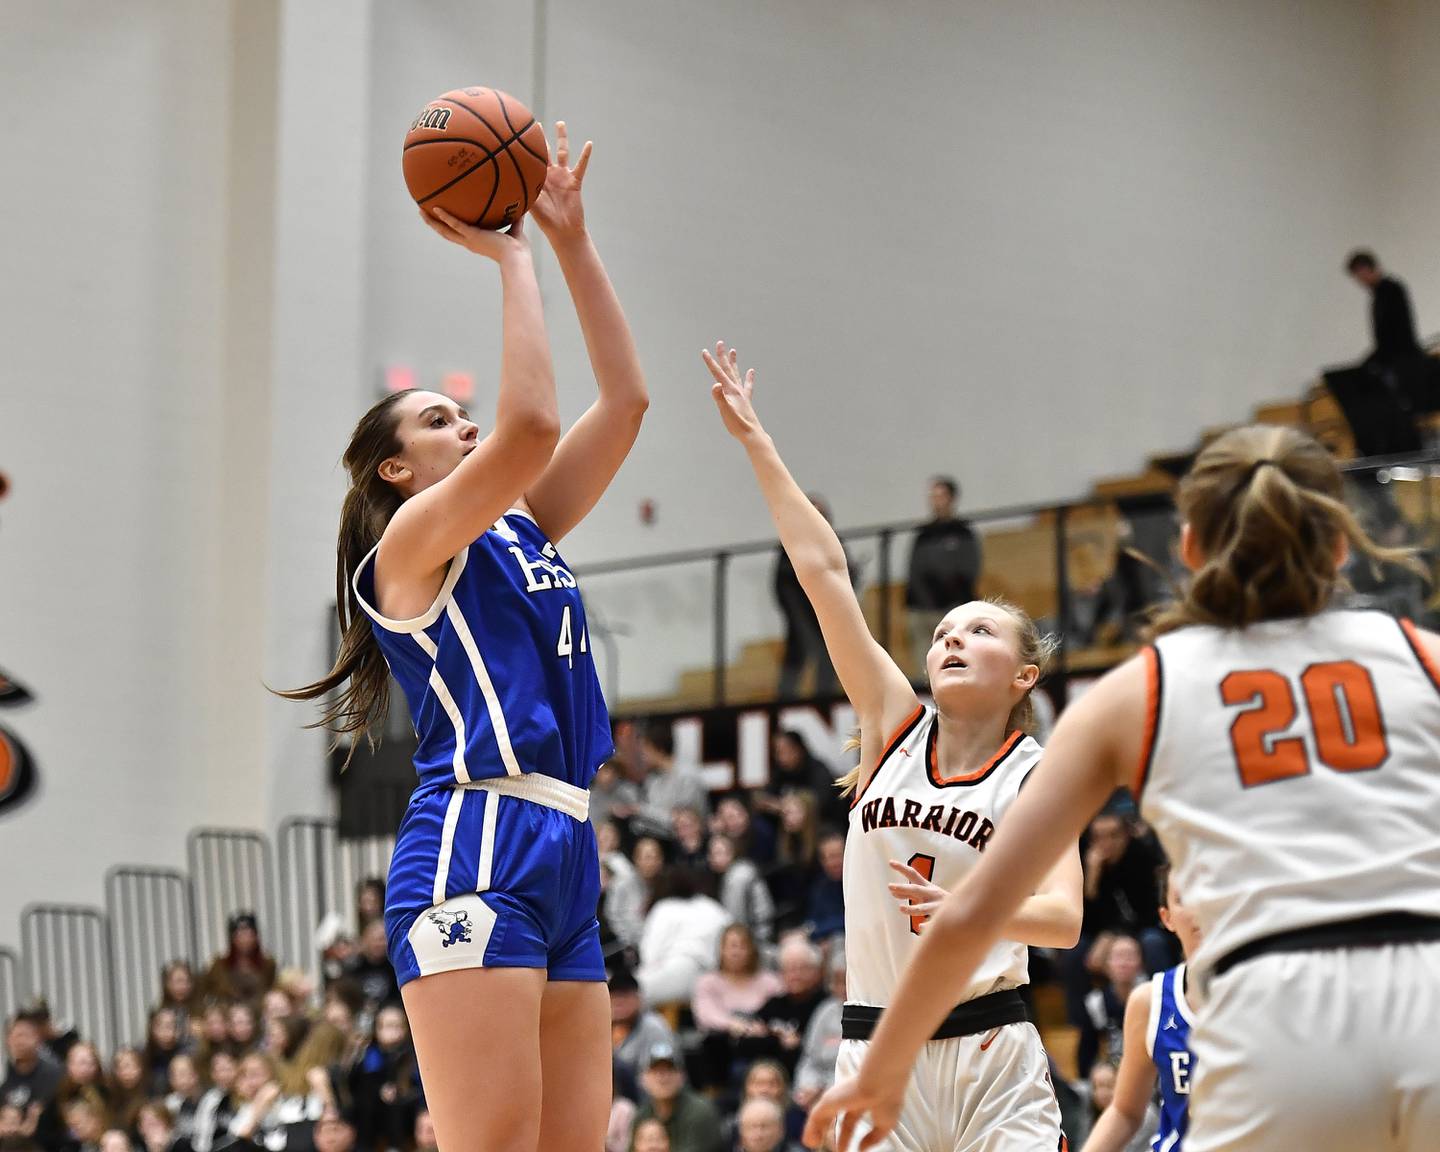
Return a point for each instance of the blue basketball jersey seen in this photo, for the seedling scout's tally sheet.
(1169, 1042)
(498, 672)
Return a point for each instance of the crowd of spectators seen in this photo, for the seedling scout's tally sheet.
(722, 917)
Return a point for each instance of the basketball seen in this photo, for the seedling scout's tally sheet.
(479, 154)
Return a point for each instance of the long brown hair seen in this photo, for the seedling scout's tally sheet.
(359, 669)
(1032, 646)
(1265, 506)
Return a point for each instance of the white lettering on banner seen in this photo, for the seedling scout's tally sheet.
(753, 732)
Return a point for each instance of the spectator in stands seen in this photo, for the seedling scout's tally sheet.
(242, 1028)
(1104, 1023)
(648, 856)
(274, 1005)
(369, 901)
(762, 1128)
(55, 1041)
(680, 938)
(754, 837)
(1392, 322)
(31, 1080)
(669, 783)
(1120, 897)
(826, 911)
(1096, 1094)
(690, 1120)
(794, 768)
(815, 1071)
(244, 971)
(794, 871)
(727, 1002)
(612, 796)
(624, 1091)
(787, 1015)
(766, 1080)
(129, 1086)
(307, 1081)
(335, 1131)
(298, 987)
(115, 1141)
(623, 898)
(13, 1125)
(944, 567)
(736, 883)
(634, 1030)
(85, 1123)
(343, 1002)
(183, 1099)
(690, 849)
(650, 1136)
(214, 1030)
(160, 1131)
(371, 969)
(804, 645)
(179, 993)
(256, 1092)
(424, 1137)
(283, 1037)
(84, 1076)
(385, 1083)
(218, 1106)
(163, 1042)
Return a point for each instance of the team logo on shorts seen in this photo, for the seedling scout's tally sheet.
(454, 927)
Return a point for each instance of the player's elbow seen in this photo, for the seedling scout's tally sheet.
(533, 432)
(1067, 928)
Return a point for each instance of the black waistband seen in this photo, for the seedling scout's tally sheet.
(857, 1021)
(1369, 932)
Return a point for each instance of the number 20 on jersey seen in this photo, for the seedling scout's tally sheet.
(1344, 714)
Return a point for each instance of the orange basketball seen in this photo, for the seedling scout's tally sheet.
(479, 154)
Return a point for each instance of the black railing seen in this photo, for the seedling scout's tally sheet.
(1052, 558)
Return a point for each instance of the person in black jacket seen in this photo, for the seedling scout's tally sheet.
(944, 567)
(1396, 382)
(1391, 320)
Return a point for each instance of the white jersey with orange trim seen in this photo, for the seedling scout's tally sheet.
(908, 812)
(1292, 773)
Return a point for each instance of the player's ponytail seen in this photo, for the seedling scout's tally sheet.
(360, 678)
(1266, 509)
(1032, 647)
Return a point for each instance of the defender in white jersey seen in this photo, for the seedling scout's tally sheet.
(1288, 756)
(933, 785)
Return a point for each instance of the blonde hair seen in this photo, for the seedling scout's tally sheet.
(1265, 507)
(1032, 647)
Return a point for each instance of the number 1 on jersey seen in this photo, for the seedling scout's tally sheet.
(565, 645)
(925, 865)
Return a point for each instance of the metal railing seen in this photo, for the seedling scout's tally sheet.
(320, 874)
(68, 962)
(698, 629)
(11, 992)
(152, 922)
(230, 870)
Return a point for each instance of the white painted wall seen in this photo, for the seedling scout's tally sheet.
(1409, 184)
(112, 320)
(1025, 243)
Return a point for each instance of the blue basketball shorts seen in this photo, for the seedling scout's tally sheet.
(501, 873)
